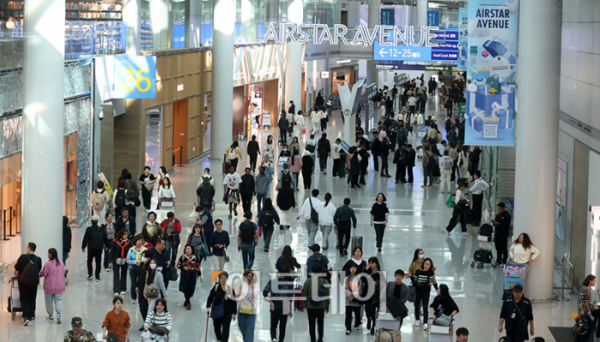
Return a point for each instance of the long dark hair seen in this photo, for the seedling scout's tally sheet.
(54, 255)
(376, 262)
(165, 182)
(286, 257)
(268, 204)
(526, 240)
(151, 272)
(234, 144)
(424, 261)
(160, 301)
(327, 198)
(444, 292)
(416, 256)
(587, 280)
(294, 154)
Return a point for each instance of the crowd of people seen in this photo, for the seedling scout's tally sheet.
(151, 258)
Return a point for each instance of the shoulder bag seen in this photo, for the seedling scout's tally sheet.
(247, 309)
(157, 329)
(218, 311)
(314, 216)
(114, 337)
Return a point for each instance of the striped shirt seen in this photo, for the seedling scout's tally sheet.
(424, 280)
(161, 319)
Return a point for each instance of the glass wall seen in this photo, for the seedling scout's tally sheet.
(320, 12)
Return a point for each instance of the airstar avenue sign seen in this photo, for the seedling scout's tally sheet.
(387, 35)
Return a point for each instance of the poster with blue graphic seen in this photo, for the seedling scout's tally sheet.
(491, 73)
(433, 18)
(463, 25)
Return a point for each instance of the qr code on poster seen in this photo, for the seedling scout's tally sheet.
(490, 131)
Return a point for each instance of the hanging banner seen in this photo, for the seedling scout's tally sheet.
(492, 38)
(463, 25)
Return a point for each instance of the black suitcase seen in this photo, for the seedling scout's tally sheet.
(483, 256)
(357, 241)
(468, 215)
(486, 230)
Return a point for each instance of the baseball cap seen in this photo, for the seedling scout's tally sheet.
(518, 288)
(95, 218)
(76, 321)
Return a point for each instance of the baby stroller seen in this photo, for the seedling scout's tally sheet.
(484, 254)
(14, 300)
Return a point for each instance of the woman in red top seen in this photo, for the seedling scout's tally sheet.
(117, 321)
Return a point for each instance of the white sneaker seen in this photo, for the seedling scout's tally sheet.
(465, 233)
(442, 191)
(116, 294)
(425, 326)
(123, 293)
(417, 323)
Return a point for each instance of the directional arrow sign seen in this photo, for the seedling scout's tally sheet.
(383, 52)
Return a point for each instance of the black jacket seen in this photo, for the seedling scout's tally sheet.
(93, 239)
(217, 296)
(253, 149)
(206, 192)
(307, 165)
(285, 199)
(344, 215)
(400, 153)
(385, 150)
(376, 146)
(119, 224)
(283, 123)
(323, 147)
(354, 165)
(364, 163)
(247, 186)
(292, 109)
(410, 158)
(66, 239)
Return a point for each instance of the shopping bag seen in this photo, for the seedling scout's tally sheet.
(450, 201)
(303, 131)
(259, 233)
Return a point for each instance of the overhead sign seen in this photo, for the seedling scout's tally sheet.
(387, 35)
(438, 68)
(388, 16)
(135, 77)
(444, 48)
(433, 18)
(463, 25)
(493, 26)
(324, 74)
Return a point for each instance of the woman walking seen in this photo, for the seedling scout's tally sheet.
(155, 284)
(373, 268)
(233, 153)
(295, 145)
(523, 251)
(248, 296)
(269, 147)
(109, 229)
(285, 201)
(308, 165)
(134, 259)
(140, 286)
(288, 260)
(315, 117)
(120, 248)
(326, 211)
(117, 322)
(221, 306)
(190, 271)
(196, 239)
(379, 216)
(298, 124)
(354, 288)
(354, 168)
(160, 320)
(296, 166)
(586, 306)
(162, 174)
(54, 284)
(267, 218)
(166, 195)
(423, 279)
(152, 231)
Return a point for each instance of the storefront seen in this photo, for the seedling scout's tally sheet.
(339, 75)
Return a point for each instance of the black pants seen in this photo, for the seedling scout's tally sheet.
(457, 216)
(379, 230)
(146, 197)
(28, 297)
(501, 248)
(246, 202)
(283, 136)
(354, 181)
(278, 318)
(120, 278)
(323, 125)
(268, 233)
(422, 296)
(343, 236)
(384, 165)
(349, 311)
(409, 171)
(477, 201)
(363, 172)
(371, 309)
(253, 159)
(307, 179)
(315, 317)
(517, 335)
(234, 163)
(97, 255)
(423, 106)
(375, 162)
(221, 326)
(143, 306)
(412, 109)
(336, 166)
(401, 173)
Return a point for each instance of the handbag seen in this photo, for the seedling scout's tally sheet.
(149, 186)
(412, 293)
(173, 274)
(247, 309)
(114, 337)
(225, 255)
(157, 329)
(151, 291)
(217, 311)
(450, 202)
(443, 320)
(146, 335)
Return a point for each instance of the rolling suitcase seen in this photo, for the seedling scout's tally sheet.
(298, 302)
(356, 241)
(484, 256)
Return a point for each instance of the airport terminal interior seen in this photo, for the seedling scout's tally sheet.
(474, 122)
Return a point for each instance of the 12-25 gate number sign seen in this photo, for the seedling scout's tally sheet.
(135, 77)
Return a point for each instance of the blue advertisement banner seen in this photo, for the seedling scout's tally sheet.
(388, 17)
(135, 77)
(433, 18)
(446, 51)
(492, 62)
(463, 25)
(178, 36)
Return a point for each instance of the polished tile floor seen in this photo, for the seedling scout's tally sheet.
(417, 221)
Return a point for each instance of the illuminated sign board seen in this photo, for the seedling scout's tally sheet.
(444, 50)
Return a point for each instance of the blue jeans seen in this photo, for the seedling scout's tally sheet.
(296, 175)
(326, 230)
(311, 230)
(246, 325)
(65, 257)
(323, 163)
(248, 255)
(107, 257)
(171, 249)
(260, 200)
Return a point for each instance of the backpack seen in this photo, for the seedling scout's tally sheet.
(96, 238)
(447, 164)
(231, 154)
(581, 326)
(286, 175)
(267, 219)
(310, 148)
(247, 232)
(30, 274)
(431, 162)
(322, 295)
(120, 198)
(98, 200)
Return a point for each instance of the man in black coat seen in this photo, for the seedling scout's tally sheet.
(375, 149)
(409, 162)
(364, 162)
(253, 151)
(67, 236)
(27, 268)
(247, 190)
(283, 124)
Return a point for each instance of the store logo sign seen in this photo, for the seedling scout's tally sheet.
(387, 35)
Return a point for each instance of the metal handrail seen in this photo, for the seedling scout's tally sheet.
(566, 265)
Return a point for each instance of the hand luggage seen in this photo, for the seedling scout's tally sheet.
(396, 307)
(384, 335)
(298, 301)
(357, 241)
(486, 230)
(484, 256)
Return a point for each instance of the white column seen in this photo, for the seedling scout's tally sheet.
(422, 12)
(248, 21)
(43, 117)
(222, 77)
(372, 74)
(132, 17)
(535, 184)
(193, 32)
(159, 15)
(293, 62)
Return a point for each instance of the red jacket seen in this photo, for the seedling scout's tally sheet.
(176, 230)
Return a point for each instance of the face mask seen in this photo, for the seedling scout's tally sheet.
(144, 259)
(152, 266)
(285, 149)
(421, 256)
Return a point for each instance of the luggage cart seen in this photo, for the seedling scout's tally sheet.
(484, 254)
(513, 274)
(157, 338)
(438, 333)
(14, 300)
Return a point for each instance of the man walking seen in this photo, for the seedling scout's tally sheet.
(477, 190)
(364, 162)
(375, 149)
(400, 161)
(247, 190)
(410, 158)
(344, 217)
(502, 227)
(261, 187)
(283, 124)
(28, 268)
(231, 188)
(316, 292)
(95, 238)
(247, 240)
(515, 315)
(253, 151)
(310, 215)
(125, 221)
(323, 148)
